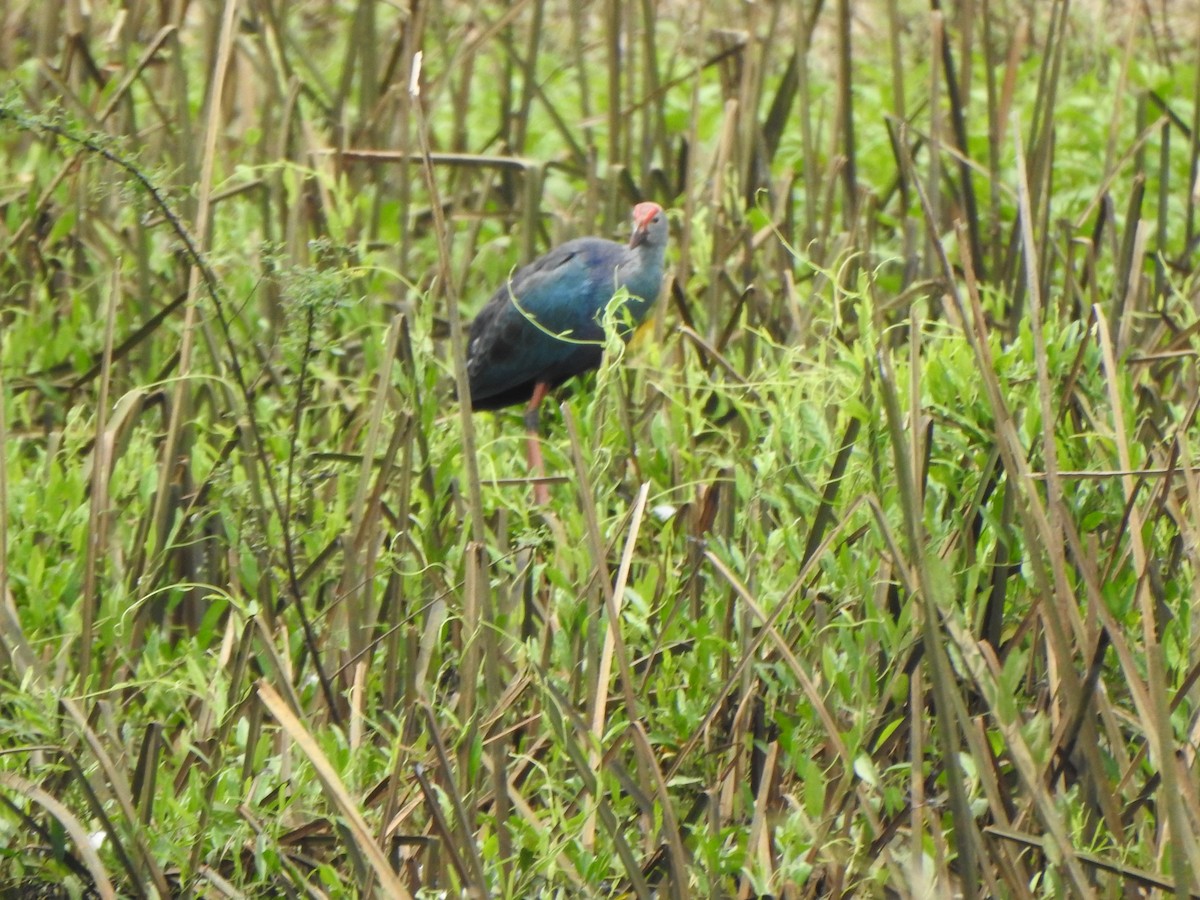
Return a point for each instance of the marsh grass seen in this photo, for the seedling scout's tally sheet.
(868, 567)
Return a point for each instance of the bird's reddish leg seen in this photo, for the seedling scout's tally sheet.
(541, 493)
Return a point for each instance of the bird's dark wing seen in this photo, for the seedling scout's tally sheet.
(541, 325)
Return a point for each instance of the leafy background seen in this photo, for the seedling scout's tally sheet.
(868, 565)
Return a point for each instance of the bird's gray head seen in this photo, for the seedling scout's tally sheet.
(649, 226)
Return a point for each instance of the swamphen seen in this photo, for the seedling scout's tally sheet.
(545, 324)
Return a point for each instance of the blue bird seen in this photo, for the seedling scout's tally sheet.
(545, 324)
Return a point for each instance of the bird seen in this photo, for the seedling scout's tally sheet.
(545, 324)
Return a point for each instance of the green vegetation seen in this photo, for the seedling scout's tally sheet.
(868, 567)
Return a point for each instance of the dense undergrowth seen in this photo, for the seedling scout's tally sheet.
(868, 565)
